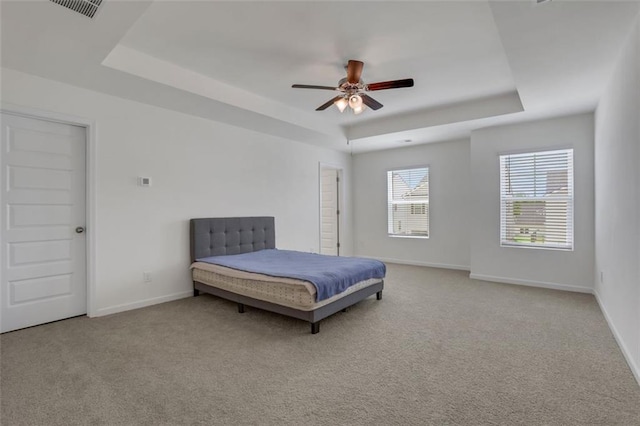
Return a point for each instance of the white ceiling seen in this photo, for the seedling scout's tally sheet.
(452, 50)
(475, 63)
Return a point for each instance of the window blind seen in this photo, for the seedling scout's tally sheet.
(536, 199)
(408, 202)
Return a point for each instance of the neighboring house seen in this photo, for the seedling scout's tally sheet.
(531, 218)
(410, 206)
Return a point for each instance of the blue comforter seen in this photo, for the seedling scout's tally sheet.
(330, 275)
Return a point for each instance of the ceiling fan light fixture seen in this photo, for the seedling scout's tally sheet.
(341, 104)
(355, 101)
(352, 88)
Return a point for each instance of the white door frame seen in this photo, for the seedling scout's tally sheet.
(340, 170)
(90, 126)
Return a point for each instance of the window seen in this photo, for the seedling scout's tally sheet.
(418, 209)
(408, 202)
(536, 199)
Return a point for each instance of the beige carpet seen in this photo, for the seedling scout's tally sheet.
(438, 349)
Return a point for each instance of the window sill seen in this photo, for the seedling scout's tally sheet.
(419, 237)
(528, 246)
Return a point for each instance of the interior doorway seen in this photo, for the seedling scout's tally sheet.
(44, 258)
(330, 209)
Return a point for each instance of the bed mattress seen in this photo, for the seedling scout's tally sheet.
(288, 292)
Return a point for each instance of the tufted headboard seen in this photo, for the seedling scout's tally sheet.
(219, 236)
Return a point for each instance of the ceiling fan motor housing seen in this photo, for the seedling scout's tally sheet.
(350, 88)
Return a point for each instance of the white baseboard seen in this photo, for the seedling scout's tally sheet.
(417, 263)
(529, 283)
(623, 348)
(142, 303)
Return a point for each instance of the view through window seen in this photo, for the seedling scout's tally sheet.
(408, 202)
(536, 199)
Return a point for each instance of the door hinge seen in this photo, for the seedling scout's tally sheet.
(337, 178)
(338, 245)
(338, 212)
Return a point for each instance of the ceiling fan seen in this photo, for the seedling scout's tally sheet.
(352, 90)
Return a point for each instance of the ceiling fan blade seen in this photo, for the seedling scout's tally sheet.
(328, 104)
(370, 102)
(354, 71)
(307, 86)
(393, 84)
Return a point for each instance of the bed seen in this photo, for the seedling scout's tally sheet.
(223, 239)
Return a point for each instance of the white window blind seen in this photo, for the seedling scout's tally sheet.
(408, 202)
(536, 199)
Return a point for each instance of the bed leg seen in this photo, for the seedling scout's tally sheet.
(345, 309)
(315, 327)
(196, 292)
(379, 295)
(240, 308)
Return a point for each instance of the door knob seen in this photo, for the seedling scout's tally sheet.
(80, 229)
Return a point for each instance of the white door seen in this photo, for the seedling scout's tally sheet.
(329, 211)
(43, 202)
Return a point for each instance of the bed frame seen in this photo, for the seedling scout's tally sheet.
(235, 235)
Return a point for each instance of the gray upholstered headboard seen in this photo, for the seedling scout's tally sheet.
(219, 236)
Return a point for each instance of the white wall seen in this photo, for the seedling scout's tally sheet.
(617, 187)
(571, 270)
(448, 243)
(199, 168)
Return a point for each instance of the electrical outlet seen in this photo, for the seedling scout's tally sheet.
(146, 276)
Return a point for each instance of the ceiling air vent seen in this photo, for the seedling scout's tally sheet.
(83, 7)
